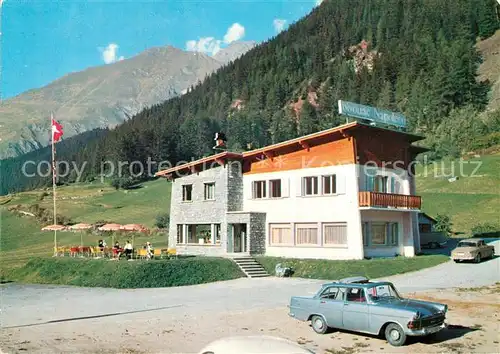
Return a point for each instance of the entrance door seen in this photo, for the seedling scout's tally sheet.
(240, 237)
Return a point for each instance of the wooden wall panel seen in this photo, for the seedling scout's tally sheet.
(382, 148)
(327, 153)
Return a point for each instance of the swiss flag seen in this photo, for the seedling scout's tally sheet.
(57, 131)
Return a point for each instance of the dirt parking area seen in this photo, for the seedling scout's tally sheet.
(473, 318)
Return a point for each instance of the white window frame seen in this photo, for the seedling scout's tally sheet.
(307, 226)
(207, 186)
(335, 245)
(317, 183)
(280, 226)
(254, 189)
(333, 184)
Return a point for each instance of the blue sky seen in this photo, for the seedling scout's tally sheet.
(43, 40)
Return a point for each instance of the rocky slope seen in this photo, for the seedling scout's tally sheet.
(104, 96)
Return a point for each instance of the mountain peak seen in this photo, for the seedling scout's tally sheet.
(233, 51)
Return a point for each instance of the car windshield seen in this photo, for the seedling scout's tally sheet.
(467, 244)
(383, 292)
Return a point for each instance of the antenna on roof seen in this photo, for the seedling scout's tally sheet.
(220, 141)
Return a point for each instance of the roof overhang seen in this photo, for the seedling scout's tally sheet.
(199, 165)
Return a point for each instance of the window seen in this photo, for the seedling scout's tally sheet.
(425, 228)
(380, 185)
(275, 188)
(380, 234)
(259, 189)
(306, 234)
(329, 184)
(366, 233)
(200, 234)
(217, 233)
(335, 234)
(180, 233)
(393, 233)
(209, 191)
(330, 293)
(281, 234)
(356, 295)
(187, 192)
(310, 185)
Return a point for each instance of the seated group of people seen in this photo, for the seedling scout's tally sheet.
(127, 249)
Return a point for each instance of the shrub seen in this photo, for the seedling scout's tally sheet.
(122, 274)
(443, 224)
(162, 221)
(485, 228)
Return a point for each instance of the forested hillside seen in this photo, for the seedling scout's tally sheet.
(414, 56)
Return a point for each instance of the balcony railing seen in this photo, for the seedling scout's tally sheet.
(386, 200)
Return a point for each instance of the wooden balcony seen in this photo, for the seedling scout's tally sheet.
(386, 200)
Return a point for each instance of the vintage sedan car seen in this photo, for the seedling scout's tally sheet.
(472, 249)
(356, 304)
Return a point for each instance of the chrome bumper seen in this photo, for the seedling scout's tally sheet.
(426, 331)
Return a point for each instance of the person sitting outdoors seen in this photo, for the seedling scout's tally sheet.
(149, 250)
(117, 250)
(128, 250)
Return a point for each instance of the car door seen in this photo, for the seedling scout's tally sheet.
(485, 249)
(355, 313)
(330, 306)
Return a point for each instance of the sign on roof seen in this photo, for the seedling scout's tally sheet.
(372, 113)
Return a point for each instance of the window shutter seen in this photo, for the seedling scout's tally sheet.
(285, 187)
(248, 189)
(341, 187)
(298, 186)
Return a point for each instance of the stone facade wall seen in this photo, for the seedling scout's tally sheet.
(228, 181)
(198, 210)
(234, 186)
(257, 233)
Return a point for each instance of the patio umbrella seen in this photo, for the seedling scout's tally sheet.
(80, 227)
(134, 227)
(54, 228)
(111, 227)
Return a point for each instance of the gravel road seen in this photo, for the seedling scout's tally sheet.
(31, 308)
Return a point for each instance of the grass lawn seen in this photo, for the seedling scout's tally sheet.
(89, 203)
(473, 199)
(21, 240)
(334, 270)
(124, 274)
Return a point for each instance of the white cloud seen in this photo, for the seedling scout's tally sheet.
(234, 33)
(279, 24)
(109, 54)
(211, 45)
(208, 45)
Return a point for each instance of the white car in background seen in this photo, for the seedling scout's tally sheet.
(254, 345)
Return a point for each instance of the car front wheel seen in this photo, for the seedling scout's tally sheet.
(395, 335)
(319, 325)
(477, 259)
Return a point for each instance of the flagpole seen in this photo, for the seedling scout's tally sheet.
(53, 182)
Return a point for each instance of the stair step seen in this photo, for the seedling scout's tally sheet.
(251, 267)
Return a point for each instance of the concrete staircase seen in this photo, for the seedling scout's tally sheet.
(250, 267)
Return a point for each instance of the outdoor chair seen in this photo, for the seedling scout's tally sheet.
(172, 252)
(157, 253)
(73, 251)
(141, 253)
